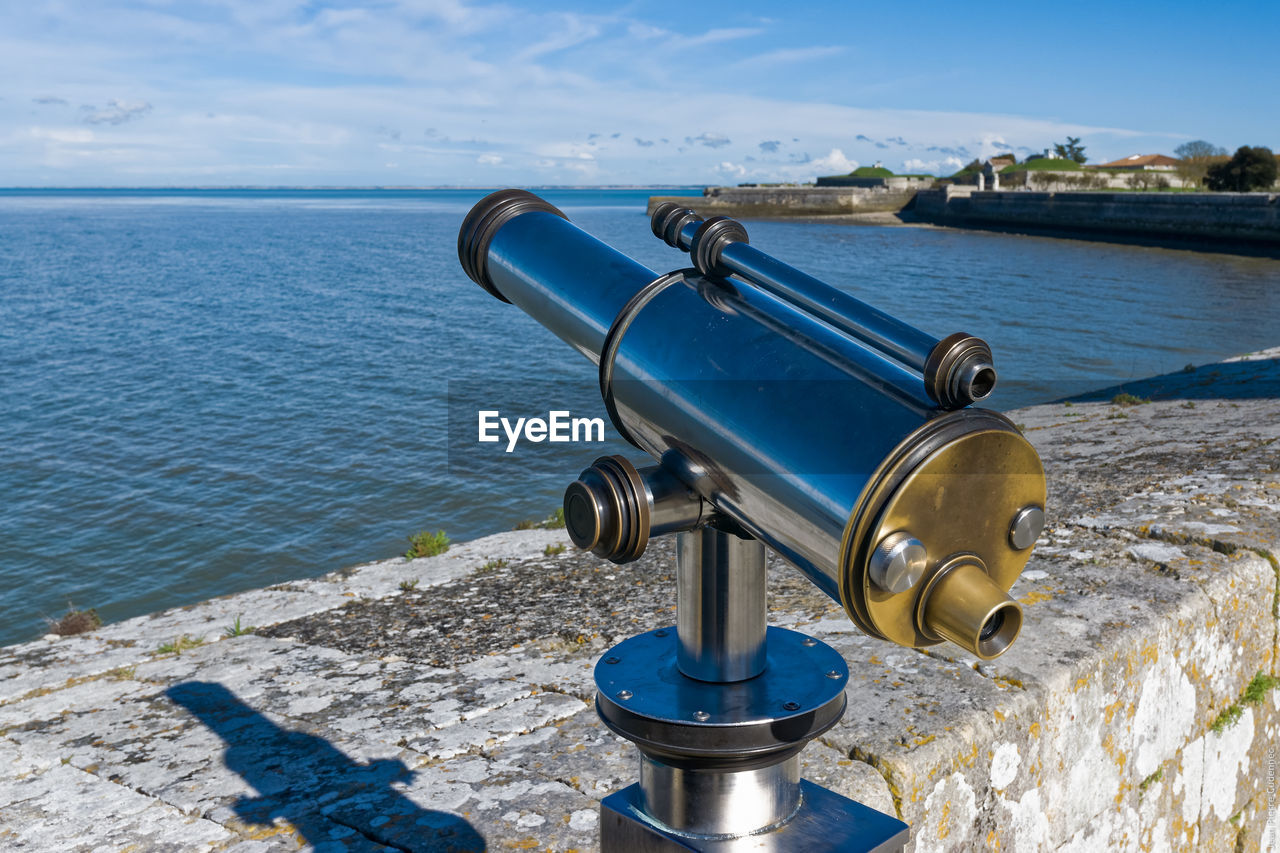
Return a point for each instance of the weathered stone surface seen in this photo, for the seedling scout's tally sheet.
(34, 813)
(457, 714)
(54, 661)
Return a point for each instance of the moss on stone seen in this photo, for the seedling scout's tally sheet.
(1258, 688)
(1253, 694)
(1275, 567)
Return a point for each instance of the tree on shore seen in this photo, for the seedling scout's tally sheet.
(1195, 158)
(1071, 150)
(1250, 168)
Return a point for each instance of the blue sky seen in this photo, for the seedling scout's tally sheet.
(447, 92)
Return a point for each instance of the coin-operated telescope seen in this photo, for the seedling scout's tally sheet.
(784, 413)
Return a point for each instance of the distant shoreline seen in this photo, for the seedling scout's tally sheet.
(1236, 223)
(321, 188)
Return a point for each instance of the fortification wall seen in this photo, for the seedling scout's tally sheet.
(775, 202)
(1236, 217)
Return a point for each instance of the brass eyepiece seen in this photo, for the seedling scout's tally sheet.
(962, 604)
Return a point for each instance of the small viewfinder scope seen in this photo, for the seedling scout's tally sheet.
(784, 410)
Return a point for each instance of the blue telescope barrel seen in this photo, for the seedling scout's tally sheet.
(955, 371)
(830, 451)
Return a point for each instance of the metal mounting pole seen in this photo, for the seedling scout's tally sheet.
(720, 605)
(720, 709)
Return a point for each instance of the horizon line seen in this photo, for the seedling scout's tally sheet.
(327, 187)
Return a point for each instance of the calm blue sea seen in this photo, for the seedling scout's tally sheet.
(207, 391)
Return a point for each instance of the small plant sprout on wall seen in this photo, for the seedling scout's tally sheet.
(74, 622)
(427, 544)
(180, 645)
(237, 630)
(555, 521)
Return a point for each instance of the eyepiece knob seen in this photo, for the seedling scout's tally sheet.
(959, 371)
(606, 510)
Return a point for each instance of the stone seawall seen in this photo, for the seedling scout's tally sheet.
(446, 703)
(782, 202)
(1232, 218)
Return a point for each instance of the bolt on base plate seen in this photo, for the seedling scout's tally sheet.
(826, 821)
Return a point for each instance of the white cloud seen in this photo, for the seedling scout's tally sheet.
(464, 70)
(564, 151)
(489, 160)
(574, 30)
(75, 135)
(834, 163)
(710, 140)
(117, 112)
(992, 144)
(945, 166)
(639, 30)
(715, 36)
(789, 56)
(802, 170)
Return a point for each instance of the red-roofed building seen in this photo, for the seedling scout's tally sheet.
(1143, 163)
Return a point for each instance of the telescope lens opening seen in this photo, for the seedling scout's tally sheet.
(581, 517)
(993, 624)
(999, 631)
(984, 382)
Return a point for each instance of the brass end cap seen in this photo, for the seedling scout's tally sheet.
(967, 487)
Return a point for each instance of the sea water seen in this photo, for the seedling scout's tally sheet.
(213, 390)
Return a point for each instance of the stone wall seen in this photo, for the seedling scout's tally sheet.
(896, 182)
(1240, 218)
(1086, 180)
(774, 202)
(1045, 181)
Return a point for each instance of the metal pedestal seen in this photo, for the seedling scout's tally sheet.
(825, 821)
(720, 707)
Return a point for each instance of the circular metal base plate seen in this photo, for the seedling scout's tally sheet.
(645, 698)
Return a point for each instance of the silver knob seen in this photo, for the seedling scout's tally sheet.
(1026, 527)
(898, 562)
